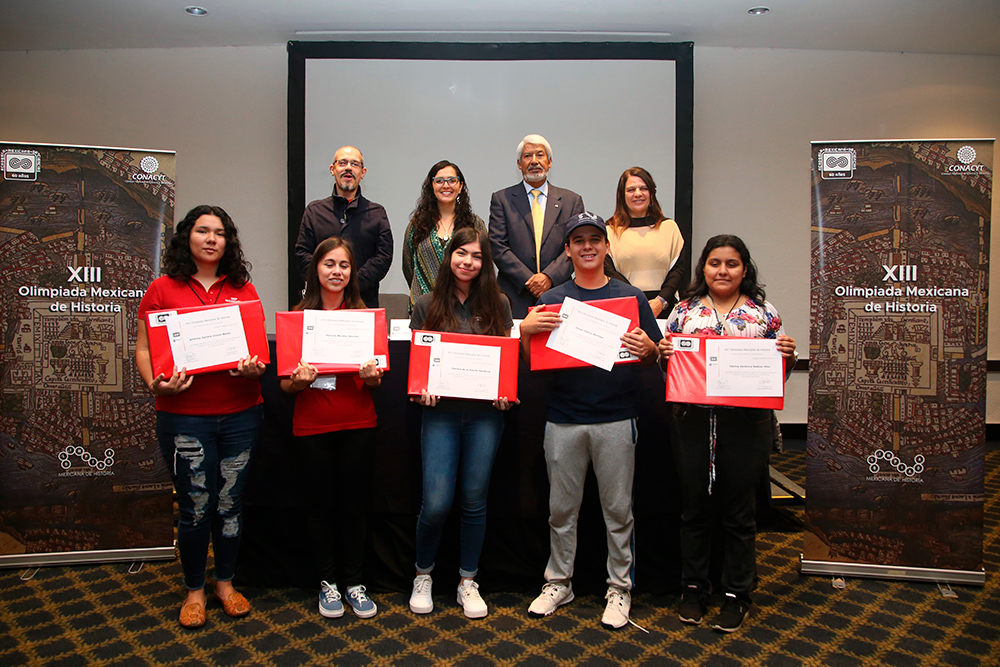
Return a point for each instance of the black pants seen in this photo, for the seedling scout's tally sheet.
(743, 440)
(337, 472)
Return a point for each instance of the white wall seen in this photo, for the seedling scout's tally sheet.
(756, 110)
(221, 109)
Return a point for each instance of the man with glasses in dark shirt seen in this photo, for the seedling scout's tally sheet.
(349, 214)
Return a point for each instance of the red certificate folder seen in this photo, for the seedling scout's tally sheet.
(420, 358)
(162, 357)
(545, 358)
(288, 330)
(686, 377)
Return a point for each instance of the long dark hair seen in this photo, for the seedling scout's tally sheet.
(178, 262)
(313, 298)
(485, 300)
(749, 286)
(622, 218)
(425, 216)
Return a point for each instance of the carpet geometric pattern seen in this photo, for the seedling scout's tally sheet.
(103, 615)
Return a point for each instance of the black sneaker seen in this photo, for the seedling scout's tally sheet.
(692, 608)
(734, 611)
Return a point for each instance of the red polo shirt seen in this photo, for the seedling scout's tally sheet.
(209, 393)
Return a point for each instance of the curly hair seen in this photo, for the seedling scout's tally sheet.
(425, 216)
(749, 286)
(622, 218)
(313, 297)
(178, 262)
(485, 300)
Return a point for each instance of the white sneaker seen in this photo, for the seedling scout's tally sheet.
(470, 599)
(619, 605)
(421, 601)
(551, 598)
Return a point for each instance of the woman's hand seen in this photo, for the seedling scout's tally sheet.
(303, 376)
(178, 383)
(503, 404)
(371, 373)
(426, 399)
(666, 347)
(248, 368)
(656, 305)
(786, 346)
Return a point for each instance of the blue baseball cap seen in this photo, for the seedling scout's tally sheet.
(585, 218)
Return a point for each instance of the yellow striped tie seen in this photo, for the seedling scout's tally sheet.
(538, 218)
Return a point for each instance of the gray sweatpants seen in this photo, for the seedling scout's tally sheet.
(569, 448)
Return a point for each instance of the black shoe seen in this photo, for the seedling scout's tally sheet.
(692, 608)
(734, 611)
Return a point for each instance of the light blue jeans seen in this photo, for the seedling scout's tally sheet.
(457, 448)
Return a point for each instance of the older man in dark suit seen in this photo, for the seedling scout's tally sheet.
(527, 228)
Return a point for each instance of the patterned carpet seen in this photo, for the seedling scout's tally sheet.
(103, 615)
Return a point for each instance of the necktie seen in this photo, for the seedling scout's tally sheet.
(538, 218)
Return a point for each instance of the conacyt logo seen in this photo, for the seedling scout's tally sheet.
(966, 155)
(149, 165)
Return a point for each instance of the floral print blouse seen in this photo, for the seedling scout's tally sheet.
(747, 319)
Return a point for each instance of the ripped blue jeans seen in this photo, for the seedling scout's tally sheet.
(208, 456)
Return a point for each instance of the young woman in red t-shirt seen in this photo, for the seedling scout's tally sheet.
(207, 426)
(334, 422)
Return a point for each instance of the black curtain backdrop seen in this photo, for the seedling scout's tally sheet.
(274, 551)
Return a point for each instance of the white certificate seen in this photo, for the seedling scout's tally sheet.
(743, 367)
(337, 337)
(589, 334)
(207, 337)
(460, 370)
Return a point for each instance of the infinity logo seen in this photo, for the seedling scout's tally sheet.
(834, 161)
(20, 163)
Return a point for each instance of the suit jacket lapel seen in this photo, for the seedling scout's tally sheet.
(522, 204)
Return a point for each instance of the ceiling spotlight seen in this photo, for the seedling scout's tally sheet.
(196, 11)
(758, 11)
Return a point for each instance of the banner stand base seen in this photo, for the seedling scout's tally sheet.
(836, 568)
(86, 557)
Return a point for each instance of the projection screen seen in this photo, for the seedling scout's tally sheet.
(604, 107)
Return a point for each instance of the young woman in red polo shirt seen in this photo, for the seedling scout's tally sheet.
(206, 425)
(334, 422)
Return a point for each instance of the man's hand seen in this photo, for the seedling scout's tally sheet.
(538, 320)
(538, 284)
(638, 343)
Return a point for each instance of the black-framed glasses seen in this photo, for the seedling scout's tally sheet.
(445, 180)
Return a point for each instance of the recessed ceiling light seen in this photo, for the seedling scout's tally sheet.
(196, 11)
(758, 11)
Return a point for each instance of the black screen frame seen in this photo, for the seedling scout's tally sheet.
(682, 53)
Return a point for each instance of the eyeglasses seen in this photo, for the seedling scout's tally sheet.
(352, 163)
(441, 180)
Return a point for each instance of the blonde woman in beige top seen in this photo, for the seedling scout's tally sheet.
(646, 248)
